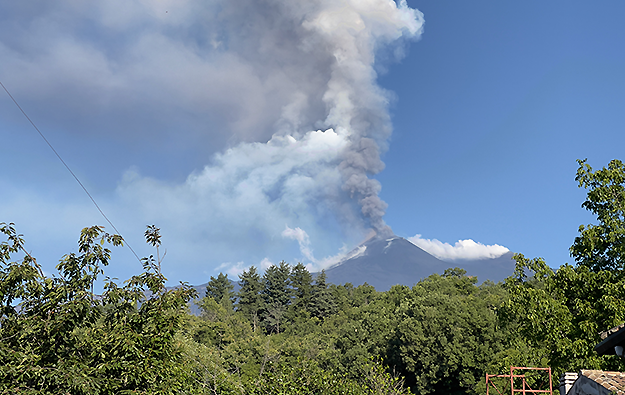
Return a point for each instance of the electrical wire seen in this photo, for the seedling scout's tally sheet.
(68, 169)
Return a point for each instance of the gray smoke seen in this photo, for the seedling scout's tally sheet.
(333, 44)
(350, 32)
(281, 93)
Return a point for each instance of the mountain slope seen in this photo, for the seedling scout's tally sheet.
(394, 260)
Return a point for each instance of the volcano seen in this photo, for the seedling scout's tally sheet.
(384, 262)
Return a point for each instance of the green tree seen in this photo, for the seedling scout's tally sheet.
(250, 301)
(302, 293)
(322, 301)
(65, 340)
(221, 289)
(301, 283)
(276, 295)
(602, 246)
(446, 334)
(276, 285)
(555, 316)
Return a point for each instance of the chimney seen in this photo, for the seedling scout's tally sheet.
(566, 382)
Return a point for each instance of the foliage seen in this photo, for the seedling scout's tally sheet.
(221, 289)
(322, 302)
(602, 246)
(301, 376)
(455, 321)
(555, 316)
(276, 295)
(301, 283)
(308, 378)
(447, 333)
(250, 301)
(63, 339)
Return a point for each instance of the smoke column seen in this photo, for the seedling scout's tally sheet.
(332, 127)
(348, 33)
(351, 31)
(282, 93)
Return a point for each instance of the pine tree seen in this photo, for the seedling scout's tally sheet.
(276, 294)
(301, 283)
(250, 301)
(322, 303)
(221, 289)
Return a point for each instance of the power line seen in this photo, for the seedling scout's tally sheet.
(68, 169)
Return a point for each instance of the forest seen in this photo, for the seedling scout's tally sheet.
(288, 332)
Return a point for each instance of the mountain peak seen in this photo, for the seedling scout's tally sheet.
(386, 260)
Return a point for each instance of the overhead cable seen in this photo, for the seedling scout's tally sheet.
(68, 169)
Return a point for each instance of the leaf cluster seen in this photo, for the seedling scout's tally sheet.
(61, 338)
(439, 335)
(555, 316)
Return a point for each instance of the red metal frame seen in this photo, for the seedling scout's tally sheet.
(525, 388)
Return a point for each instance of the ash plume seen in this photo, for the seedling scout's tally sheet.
(315, 168)
(351, 31)
(281, 93)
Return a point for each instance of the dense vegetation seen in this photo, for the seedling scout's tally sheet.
(287, 332)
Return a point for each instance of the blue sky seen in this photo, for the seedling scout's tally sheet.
(200, 117)
(495, 104)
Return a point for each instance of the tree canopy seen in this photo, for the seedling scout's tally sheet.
(602, 246)
(555, 315)
(221, 289)
(61, 338)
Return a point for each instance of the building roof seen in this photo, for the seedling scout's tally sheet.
(612, 381)
(612, 337)
(611, 331)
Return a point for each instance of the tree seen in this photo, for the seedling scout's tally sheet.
(322, 303)
(602, 246)
(65, 340)
(446, 333)
(276, 285)
(276, 295)
(557, 315)
(250, 301)
(301, 283)
(221, 289)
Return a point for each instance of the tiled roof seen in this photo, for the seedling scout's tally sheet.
(611, 338)
(612, 381)
(611, 331)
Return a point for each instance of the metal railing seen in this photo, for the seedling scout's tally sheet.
(519, 382)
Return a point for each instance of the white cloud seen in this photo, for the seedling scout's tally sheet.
(227, 71)
(462, 249)
(343, 254)
(302, 239)
(232, 269)
(265, 264)
(239, 201)
(313, 180)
